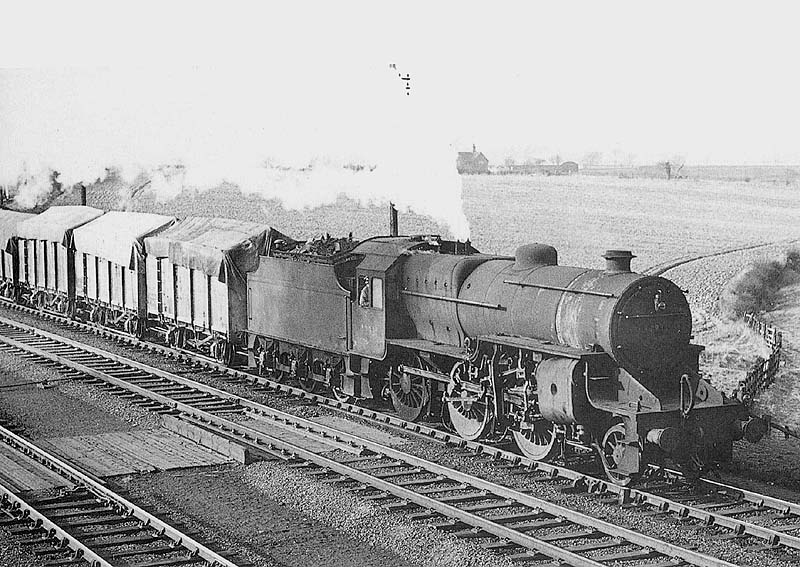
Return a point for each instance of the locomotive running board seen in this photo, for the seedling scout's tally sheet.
(526, 343)
(429, 346)
(540, 346)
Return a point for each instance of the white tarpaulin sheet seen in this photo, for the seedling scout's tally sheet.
(119, 236)
(8, 225)
(223, 248)
(57, 223)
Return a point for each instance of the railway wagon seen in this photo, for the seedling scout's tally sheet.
(110, 281)
(196, 282)
(9, 264)
(45, 256)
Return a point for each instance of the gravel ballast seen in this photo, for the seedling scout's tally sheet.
(273, 515)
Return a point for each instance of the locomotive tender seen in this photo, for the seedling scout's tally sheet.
(562, 358)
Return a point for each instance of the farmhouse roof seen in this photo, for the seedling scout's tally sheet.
(57, 223)
(223, 248)
(119, 236)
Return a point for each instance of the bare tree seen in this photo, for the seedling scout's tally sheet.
(509, 161)
(591, 159)
(556, 159)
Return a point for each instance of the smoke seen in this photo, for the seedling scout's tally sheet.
(33, 190)
(288, 136)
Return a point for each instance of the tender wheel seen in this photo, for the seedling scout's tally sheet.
(610, 453)
(536, 439)
(336, 389)
(410, 393)
(305, 378)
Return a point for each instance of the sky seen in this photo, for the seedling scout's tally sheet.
(96, 84)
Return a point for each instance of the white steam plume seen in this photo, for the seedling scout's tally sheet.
(287, 136)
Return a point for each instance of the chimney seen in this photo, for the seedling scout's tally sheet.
(474, 150)
(618, 261)
(393, 226)
(82, 191)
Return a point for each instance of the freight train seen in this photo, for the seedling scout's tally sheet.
(564, 359)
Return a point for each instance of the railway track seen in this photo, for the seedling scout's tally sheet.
(522, 526)
(663, 267)
(773, 522)
(90, 524)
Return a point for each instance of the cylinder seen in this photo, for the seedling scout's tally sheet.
(668, 439)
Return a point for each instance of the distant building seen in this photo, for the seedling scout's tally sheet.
(473, 162)
(568, 168)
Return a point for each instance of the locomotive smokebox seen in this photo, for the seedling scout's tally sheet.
(618, 261)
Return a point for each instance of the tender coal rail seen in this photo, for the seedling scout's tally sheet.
(89, 524)
(506, 520)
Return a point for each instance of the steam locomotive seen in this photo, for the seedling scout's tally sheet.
(562, 358)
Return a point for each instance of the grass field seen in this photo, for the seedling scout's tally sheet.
(657, 219)
(580, 215)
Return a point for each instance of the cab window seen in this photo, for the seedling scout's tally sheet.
(377, 293)
(370, 292)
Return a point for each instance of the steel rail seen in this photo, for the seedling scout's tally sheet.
(80, 549)
(91, 485)
(583, 481)
(258, 439)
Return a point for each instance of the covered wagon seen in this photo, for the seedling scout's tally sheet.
(9, 264)
(45, 257)
(196, 282)
(110, 281)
